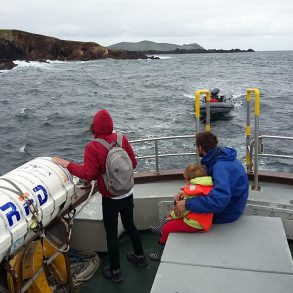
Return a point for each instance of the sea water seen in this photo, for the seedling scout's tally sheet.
(46, 108)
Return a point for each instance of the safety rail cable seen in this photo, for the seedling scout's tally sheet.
(256, 93)
(261, 154)
(157, 155)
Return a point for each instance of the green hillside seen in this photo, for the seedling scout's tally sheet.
(152, 46)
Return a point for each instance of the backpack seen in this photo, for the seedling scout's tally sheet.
(118, 177)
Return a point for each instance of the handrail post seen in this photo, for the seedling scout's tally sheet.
(157, 157)
(197, 112)
(256, 92)
(248, 132)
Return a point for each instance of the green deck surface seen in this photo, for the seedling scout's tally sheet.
(135, 279)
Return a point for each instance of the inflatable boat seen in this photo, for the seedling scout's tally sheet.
(219, 104)
(217, 108)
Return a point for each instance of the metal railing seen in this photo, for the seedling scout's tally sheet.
(256, 144)
(254, 147)
(256, 93)
(259, 153)
(157, 154)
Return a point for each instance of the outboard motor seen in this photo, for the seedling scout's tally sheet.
(31, 195)
(214, 93)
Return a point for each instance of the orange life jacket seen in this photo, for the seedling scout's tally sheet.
(191, 190)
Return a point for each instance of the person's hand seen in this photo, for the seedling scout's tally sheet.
(180, 205)
(179, 195)
(60, 162)
(177, 212)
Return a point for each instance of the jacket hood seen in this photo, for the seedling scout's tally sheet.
(219, 154)
(102, 123)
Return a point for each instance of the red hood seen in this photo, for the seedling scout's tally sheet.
(102, 123)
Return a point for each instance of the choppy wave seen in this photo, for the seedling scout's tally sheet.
(52, 104)
(23, 148)
(22, 63)
(25, 113)
(161, 57)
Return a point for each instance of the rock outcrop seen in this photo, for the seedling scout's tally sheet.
(6, 65)
(19, 45)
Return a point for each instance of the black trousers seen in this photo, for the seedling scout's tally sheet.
(111, 210)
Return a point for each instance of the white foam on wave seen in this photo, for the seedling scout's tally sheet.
(22, 63)
(56, 61)
(23, 110)
(161, 57)
(22, 149)
(189, 96)
(237, 96)
(44, 64)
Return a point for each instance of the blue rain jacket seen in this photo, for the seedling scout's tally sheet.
(228, 197)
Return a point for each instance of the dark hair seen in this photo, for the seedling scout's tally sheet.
(194, 171)
(207, 140)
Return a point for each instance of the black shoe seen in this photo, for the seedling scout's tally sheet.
(114, 277)
(138, 260)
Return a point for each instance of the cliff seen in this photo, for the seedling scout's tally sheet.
(20, 45)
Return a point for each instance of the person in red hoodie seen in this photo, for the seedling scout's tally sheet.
(93, 167)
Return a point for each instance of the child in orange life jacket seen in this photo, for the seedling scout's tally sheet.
(198, 184)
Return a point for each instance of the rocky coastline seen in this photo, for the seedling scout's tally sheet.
(196, 51)
(20, 45)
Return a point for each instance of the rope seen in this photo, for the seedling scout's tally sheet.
(85, 203)
(83, 265)
(83, 270)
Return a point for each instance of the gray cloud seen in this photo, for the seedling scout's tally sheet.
(258, 24)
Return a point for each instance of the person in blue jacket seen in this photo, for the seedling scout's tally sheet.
(228, 198)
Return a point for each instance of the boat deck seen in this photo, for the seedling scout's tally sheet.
(260, 262)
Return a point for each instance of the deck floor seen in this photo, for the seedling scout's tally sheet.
(141, 279)
(135, 279)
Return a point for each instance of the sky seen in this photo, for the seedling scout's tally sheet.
(263, 25)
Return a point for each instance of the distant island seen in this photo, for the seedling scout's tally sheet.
(145, 46)
(149, 47)
(20, 45)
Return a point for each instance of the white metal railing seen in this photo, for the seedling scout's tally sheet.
(157, 154)
(251, 168)
(255, 144)
(259, 153)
